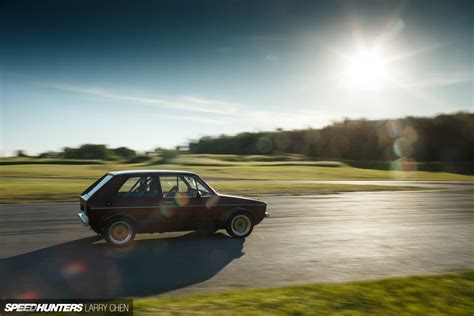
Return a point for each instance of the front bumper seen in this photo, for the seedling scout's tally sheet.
(84, 218)
(267, 214)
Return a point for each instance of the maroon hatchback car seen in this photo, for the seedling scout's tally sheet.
(123, 203)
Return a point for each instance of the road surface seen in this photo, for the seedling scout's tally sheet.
(45, 252)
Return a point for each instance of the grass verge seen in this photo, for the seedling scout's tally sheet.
(259, 189)
(446, 294)
(268, 171)
(31, 190)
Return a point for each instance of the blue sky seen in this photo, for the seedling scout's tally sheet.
(160, 73)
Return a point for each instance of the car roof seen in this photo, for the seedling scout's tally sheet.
(163, 172)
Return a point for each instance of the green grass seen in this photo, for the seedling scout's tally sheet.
(262, 188)
(31, 190)
(24, 183)
(41, 190)
(446, 294)
(269, 171)
(53, 180)
(47, 161)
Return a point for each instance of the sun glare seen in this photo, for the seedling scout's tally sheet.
(366, 69)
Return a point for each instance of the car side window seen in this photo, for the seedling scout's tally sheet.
(139, 187)
(169, 185)
(187, 186)
(172, 186)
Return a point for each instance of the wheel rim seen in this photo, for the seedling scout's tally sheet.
(240, 225)
(120, 233)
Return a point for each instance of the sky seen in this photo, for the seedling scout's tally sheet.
(147, 74)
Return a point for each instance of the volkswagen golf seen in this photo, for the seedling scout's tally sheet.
(123, 203)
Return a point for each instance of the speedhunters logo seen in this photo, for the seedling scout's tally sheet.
(90, 307)
(43, 307)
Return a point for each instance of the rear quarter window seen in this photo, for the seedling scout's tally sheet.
(137, 187)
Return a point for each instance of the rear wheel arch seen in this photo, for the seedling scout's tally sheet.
(115, 216)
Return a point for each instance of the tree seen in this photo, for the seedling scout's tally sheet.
(88, 151)
(21, 153)
(444, 138)
(124, 152)
(167, 154)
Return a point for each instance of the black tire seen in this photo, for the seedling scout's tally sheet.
(239, 225)
(119, 232)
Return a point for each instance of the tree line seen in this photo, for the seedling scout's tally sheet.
(444, 138)
(102, 152)
(91, 151)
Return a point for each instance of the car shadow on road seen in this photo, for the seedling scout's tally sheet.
(85, 269)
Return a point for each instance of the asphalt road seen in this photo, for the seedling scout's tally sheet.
(45, 252)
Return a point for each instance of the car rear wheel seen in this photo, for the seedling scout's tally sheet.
(239, 225)
(119, 232)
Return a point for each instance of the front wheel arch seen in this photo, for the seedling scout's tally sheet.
(231, 212)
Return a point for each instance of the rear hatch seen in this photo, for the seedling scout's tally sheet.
(89, 192)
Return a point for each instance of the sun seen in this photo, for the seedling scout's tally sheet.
(366, 69)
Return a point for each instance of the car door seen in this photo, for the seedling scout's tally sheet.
(138, 197)
(181, 203)
(203, 202)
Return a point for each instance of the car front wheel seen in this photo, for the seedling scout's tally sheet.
(119, 233)
(239, 225)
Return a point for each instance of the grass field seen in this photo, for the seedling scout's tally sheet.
(32, 190)
(213, 169)
(41, 180)
(446, 294)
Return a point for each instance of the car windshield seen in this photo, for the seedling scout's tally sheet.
(203, 188)
(193, 182)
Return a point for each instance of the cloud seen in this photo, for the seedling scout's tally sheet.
(272, 59)
(212, 111)
(187, 118)
(440, 81)
(188, 103)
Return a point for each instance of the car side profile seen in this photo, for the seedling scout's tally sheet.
(123, 203)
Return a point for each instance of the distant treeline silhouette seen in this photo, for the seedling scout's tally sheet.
(89, 151)
(445, 138)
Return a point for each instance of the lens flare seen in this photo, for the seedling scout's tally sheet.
(73, 268)
(181, 199)
(213, 201)
(405, 164)
(402, 147)
(28, 295)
